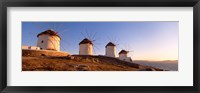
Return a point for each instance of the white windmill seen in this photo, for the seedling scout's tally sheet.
(111, 49)
(123, 55)
(49, 40)
(86, 46)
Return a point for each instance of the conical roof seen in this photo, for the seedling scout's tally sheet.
(110, 44)
(86, 41)
(123, 52)
(49, 32)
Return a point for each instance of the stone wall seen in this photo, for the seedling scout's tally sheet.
(36, 53)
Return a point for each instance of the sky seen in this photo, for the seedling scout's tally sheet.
(146, 40)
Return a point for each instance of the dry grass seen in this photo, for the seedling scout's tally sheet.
(76, 63)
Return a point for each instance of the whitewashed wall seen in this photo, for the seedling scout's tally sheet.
(124, 57)
(25, 47)
(49, 42)
(85, 49)
(111, 51)
(33, 48)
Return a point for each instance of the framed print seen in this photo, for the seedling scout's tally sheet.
(100, 46)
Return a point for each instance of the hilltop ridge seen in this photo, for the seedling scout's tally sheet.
(80, 63)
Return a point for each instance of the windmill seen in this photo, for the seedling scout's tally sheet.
(86, 46)
(123, 54)
(50, 38)
(111, 48)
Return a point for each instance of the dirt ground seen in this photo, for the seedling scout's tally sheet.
(79, 63)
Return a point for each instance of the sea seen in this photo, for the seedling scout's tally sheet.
(166, 65)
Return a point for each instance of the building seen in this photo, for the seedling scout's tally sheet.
(49, 40)
(33, 48)
(111, 49)
(25, 47)
(30, 48)
(85, 47)
(123, 55)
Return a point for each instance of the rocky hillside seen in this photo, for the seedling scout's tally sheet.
(80, 63)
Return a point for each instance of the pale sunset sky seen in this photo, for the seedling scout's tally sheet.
(147, 40)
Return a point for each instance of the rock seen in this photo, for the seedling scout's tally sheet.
(82, 68)
(43, 55)
(72, 57)
(141, 70)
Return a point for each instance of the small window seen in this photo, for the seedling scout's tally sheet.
(42, 41)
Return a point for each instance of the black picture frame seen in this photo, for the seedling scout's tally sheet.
(98, 3)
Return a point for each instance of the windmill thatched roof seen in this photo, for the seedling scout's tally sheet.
(123, 52)
(86, 41)
(110, 44)
(49, 32)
